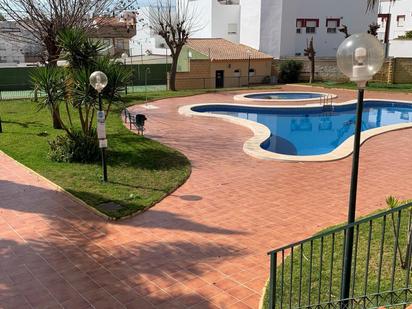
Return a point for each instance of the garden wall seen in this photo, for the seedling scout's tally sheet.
(394, 70)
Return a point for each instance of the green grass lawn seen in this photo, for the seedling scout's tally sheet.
(141, 171)
(371, 86)
(322, 251)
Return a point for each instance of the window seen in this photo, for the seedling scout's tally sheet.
(309, 24)
(400, 20)
(232, 29)
(120, 43)
(332, 24)
(251, 72)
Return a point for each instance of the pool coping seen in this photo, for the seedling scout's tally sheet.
(242, 97)
(261, 133)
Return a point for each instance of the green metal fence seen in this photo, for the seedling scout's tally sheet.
(308, 274)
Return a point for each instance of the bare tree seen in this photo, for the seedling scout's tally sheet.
(345, 31)
(44, 19)
(175, 24)
(373, 29)
(311, 53)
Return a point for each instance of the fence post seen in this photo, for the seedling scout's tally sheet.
(36, 97)
(272, 281)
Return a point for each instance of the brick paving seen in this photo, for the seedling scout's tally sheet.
(202, 247)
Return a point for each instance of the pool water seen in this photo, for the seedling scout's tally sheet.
(285, 95)
(314, 131)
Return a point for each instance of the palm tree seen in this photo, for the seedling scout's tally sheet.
(51, 80)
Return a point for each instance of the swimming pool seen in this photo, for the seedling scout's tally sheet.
(312, 131)
(284, 96)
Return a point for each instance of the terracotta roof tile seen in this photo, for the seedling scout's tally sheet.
(221, 49)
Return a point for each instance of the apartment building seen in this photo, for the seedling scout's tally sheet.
(282, 28)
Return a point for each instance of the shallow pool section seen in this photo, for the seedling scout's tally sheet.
(310, 131)
(285, 96)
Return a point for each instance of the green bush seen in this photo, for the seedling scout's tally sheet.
(290, 70)
(75, 148)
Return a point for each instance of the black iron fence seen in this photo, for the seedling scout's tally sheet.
(223, 82)
(308, 274)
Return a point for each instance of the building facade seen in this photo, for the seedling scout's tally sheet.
(114, 33)
(282, 28)
(395, 19)
(20, 50)
(219, 63)
(146, 42)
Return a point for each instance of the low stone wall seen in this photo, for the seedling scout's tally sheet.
(394, 70)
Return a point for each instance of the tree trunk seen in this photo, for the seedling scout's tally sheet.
(312, 70)
(56, 118)
(173, 70)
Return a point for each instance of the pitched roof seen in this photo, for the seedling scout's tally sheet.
(221, 49)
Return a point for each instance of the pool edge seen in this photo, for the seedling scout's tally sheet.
(261, 133)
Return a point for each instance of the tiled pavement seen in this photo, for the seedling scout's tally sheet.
(202, 247)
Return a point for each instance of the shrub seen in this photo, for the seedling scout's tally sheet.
(290, 70)
(76, 147)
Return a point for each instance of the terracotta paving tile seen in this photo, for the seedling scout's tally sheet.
(205, 245)
(224, 299)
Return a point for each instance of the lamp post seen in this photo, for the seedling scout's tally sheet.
(359, 57)
(124, 57)
(146, 72)
(98, 80)
(248, 68)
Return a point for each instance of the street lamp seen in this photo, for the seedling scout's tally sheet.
(98, 80)
(146, 72)
(248, 68)
(359, 57)
(124, 57)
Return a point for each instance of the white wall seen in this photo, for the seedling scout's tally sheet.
(223, 15)
(399, 7)
(203, 10)
(350, 12)
(271, 27)
(145, 41)
(250, 17)
(400, 48)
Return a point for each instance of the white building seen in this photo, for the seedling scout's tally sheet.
(395, 19)
(16, 52)
(146, 42)
(282, 27)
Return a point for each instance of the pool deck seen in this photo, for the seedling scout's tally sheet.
(205, 245)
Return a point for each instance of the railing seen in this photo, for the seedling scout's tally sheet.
(223, 82)
(326, 100)
(308, 273)
(29, 93)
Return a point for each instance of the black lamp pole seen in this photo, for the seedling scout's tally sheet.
(347, 263)
(248, 73)
(103, 149)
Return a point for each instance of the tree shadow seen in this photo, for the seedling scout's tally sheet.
(141, 154)
(21, 124)
(53, 252)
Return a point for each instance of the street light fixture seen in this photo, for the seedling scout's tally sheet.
(98, 80)
(147, 71)
(124, 57)
(359, 57)
(248, 67)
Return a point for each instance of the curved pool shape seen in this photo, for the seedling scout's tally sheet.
(284, 96)
(311, 133)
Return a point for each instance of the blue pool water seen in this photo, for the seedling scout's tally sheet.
(314, 131)
(284, 95)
